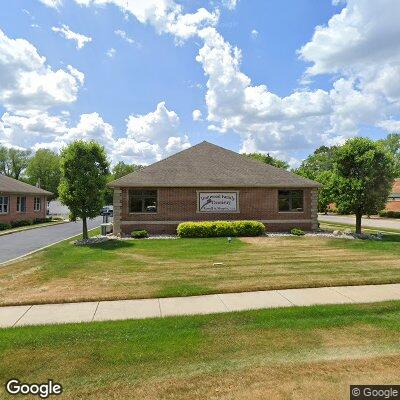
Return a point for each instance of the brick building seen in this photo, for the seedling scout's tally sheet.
(393, 203)
(208, 182)
(20, 201)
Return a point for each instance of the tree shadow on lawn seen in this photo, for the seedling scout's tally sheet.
(111, 245)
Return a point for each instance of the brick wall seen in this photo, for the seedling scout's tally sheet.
(14, 215)
(180, 204)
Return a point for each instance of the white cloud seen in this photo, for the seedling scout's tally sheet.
(196, 114)
(111, 52)
(122, 34)
(390, 125)
(254, 33)
(52, 3)
(230, 4)
(165, 15)
(78, 38)
(27, 82)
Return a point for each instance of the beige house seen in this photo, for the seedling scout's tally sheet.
(207, 182)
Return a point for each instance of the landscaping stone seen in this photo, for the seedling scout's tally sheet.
(92, 240)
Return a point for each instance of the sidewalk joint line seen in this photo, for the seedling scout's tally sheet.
(159, 307)
(95, 311)
(291, 302)
(337, 291)
(219, 297)
(19, 319)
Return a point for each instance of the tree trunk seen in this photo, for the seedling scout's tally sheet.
(358, 222)
(84, 229)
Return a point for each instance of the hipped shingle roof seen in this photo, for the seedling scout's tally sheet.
(208, 165)
(10, 185)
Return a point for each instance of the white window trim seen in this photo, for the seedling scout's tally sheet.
(19, 208)
(8, 205)
(34, 204)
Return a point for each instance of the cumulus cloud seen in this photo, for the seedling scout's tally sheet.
(196, 114)
(390, 125)
(52, 3)
(149, 137)
(123, 35)
(254, 33)
(27, 82)
(111, 52)
(79, 39)
(165, 15)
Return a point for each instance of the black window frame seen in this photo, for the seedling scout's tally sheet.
(21, 203)
(291, 195)
(143, 196)
(5, 205)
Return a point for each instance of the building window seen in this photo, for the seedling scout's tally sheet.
(37, 204)
(142, 201)
(21, 203)
(290, 200)
(4, 204)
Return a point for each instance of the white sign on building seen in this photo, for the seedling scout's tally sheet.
(218, 201)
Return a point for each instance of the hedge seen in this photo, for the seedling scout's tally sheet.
(220, 228)
(389, 214)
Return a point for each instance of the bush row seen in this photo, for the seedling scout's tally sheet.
(220, 228)
(17, 224)
(389, 214)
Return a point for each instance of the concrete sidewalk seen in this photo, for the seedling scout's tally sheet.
(208, 304)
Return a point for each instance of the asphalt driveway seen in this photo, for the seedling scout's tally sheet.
(20, 243)
(382, 223)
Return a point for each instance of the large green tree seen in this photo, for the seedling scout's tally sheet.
(268, 159)
(319, 167)
(119, 170)
(364, 176)
(13, 162)
(44, 169)
(84, 170)
(392, 144)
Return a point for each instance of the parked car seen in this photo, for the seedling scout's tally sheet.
(107, 210)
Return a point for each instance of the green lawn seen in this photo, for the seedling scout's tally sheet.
(297, 353)
(181, 267)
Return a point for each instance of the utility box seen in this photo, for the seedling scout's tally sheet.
(106, 229)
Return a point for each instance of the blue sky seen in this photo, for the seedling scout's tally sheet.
(262, 75)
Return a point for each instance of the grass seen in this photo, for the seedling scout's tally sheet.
(182, 267)
(296, 353)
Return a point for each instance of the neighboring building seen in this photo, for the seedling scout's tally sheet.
(208, 182)
(393, 203)
(20, 201)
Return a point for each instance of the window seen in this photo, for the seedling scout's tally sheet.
(37, 204)
(290, 200)
(21, 203)
(3, 204)
(143, 201)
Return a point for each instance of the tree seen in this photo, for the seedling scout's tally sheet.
(364, 176)
(267, 159)
(121, 169)
(13, 161)
(392, 145)
(321, 160)
(44, 169)
(84, 169)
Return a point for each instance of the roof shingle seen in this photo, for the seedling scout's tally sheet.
(10, 185)
(208, 165)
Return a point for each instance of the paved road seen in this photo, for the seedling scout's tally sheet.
(208, 304)
(20, 243)
(366, 223)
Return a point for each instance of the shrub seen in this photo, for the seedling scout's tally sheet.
(220, 229)
(139, 234)
(389, 214)
(4, 226)
(17, 224)
(297, 232)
